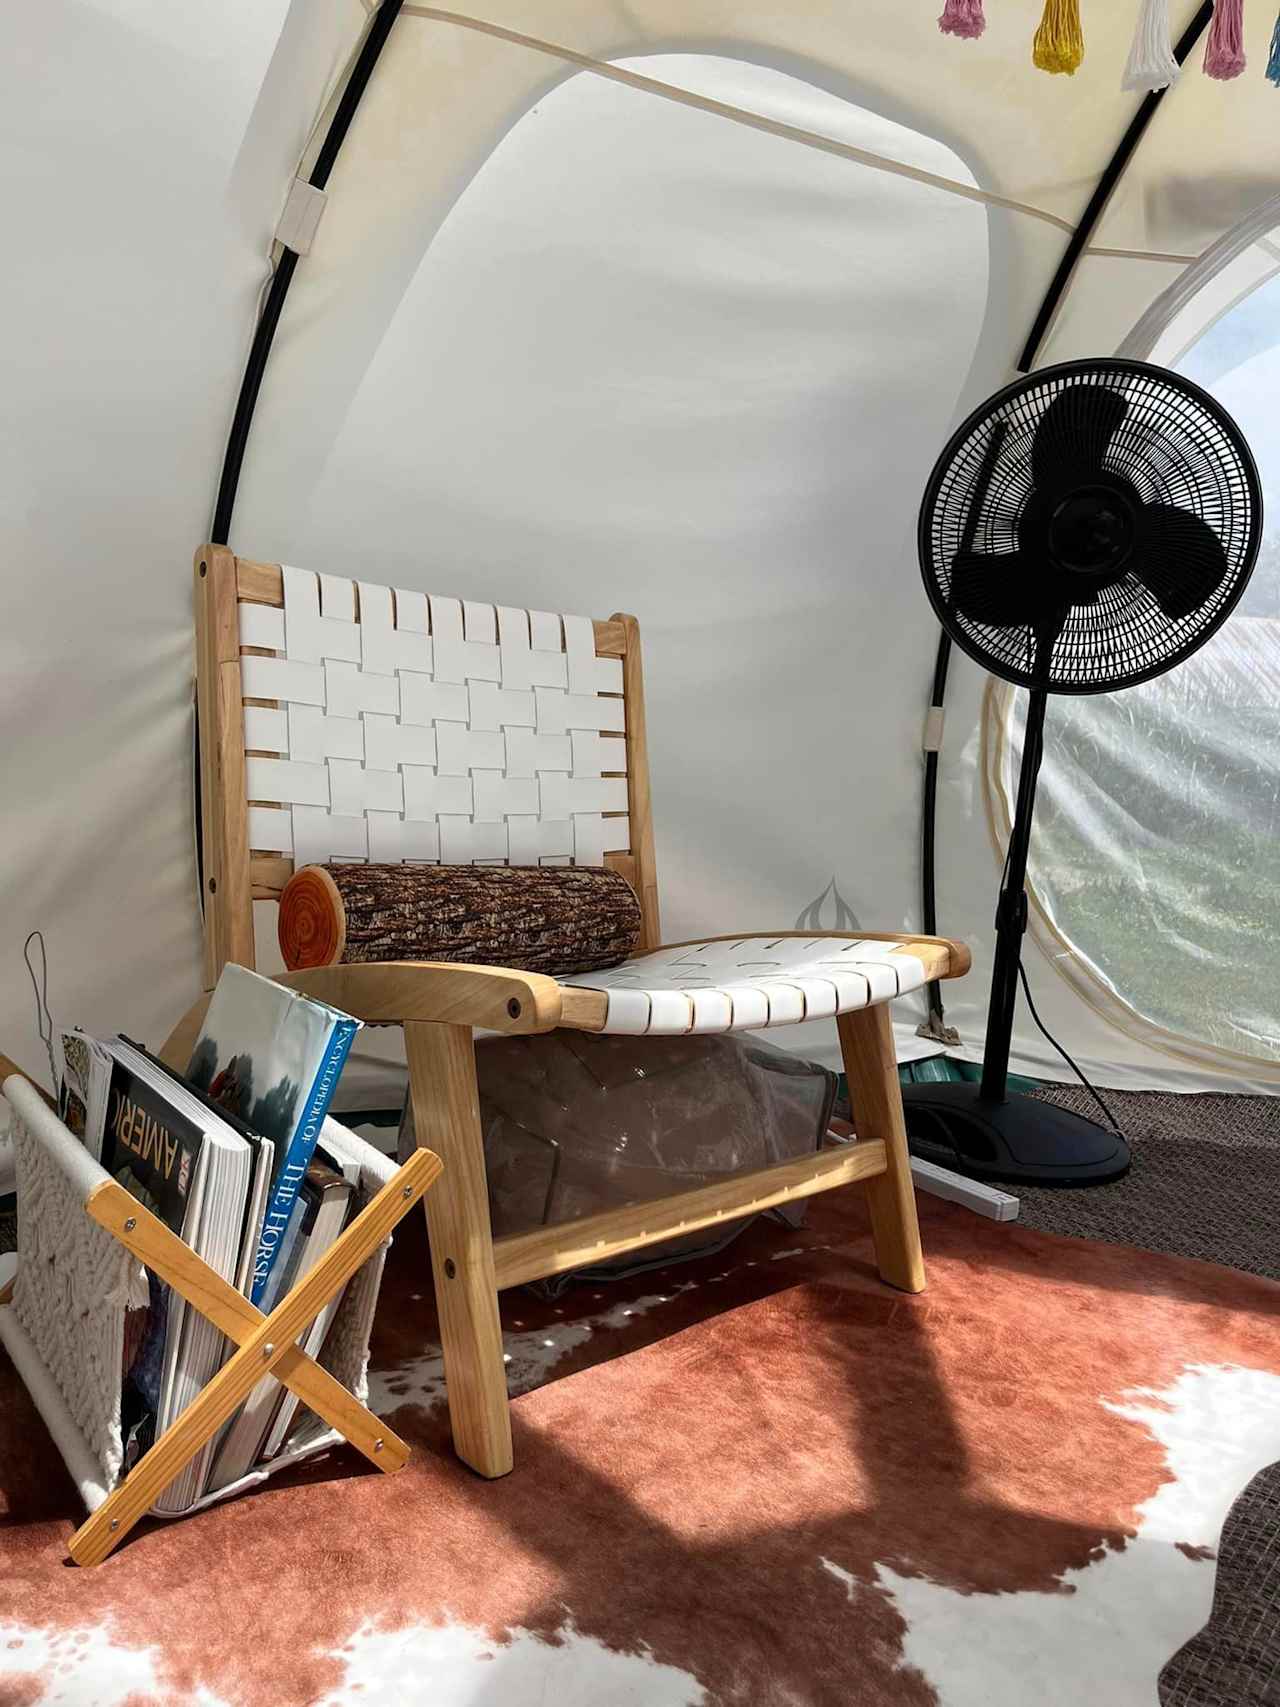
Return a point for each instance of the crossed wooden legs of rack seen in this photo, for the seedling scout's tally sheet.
(470, 1267)
(266, 1344)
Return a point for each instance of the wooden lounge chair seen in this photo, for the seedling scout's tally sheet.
(342, 720)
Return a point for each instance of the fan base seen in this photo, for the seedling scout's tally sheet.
(1020, 1141)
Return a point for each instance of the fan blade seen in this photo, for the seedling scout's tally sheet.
(1178, 558)
(995, 588)
(1074, 435)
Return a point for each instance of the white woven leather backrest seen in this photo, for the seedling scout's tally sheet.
(399, 726)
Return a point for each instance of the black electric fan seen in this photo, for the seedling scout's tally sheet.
(1086, 529)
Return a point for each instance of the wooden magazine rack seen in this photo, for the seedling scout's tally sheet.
(344, 720)
(61, 1317)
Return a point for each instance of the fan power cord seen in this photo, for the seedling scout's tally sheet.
(1050, 1038)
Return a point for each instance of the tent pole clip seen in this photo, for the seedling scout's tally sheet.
(301, 217)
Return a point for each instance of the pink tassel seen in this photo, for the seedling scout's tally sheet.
(962, 18)
(1224, 50)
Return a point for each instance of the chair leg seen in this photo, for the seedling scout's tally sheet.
(870, 1063)
(446, 1113)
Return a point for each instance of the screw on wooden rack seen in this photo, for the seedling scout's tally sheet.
(131, 1223)
(268, 1351)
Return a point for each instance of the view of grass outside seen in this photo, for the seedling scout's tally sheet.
(1156, 847)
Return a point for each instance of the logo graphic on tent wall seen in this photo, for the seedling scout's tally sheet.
(818, 916)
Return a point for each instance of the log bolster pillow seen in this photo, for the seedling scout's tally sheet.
(555, 919)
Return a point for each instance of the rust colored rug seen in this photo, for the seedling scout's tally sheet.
(762, 1480)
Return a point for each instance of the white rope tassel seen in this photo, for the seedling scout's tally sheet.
(1151, 63)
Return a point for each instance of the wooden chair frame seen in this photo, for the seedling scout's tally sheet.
(441, 1004)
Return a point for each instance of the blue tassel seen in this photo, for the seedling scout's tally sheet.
(1273, 64)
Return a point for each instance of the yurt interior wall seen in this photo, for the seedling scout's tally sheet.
(693, 359)
(661, 307)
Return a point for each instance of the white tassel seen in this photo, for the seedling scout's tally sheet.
(1151, 62)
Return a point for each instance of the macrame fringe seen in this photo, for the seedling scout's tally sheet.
(1059, 43)
(1224, 50)
(1273, 64)
(962, 18)
(1151, 64)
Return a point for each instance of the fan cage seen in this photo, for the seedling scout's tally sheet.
(1177, 446)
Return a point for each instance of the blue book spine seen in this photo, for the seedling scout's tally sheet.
(302, 1147)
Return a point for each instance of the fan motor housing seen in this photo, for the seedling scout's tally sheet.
(1091, 531)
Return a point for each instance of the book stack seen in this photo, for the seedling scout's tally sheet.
(229, 1156)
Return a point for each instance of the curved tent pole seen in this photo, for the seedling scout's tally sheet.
(265, 331)
(1125, 150)
(282, 278)
(935, 1026)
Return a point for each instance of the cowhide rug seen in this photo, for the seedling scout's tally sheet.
(761, 1480)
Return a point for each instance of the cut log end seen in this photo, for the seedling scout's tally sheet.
(312, 927)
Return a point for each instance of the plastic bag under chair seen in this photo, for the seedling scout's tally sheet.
(575, 1123)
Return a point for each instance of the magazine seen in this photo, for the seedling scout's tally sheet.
(225, 1157)
(193, 1171)
(319, 1213)
(82, 1087)
(272, 1057)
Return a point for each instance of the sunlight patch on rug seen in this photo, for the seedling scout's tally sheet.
(523, 1670)
(530, 1355)
(1104, 1636)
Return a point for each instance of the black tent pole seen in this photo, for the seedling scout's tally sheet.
(269, 319)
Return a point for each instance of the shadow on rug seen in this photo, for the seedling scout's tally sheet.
(796, 1487)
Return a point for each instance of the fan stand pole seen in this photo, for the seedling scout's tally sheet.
(1011, 911)
(979, 1130)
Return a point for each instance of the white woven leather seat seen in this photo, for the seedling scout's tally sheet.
(749, 982)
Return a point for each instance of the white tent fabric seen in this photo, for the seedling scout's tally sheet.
(570, 340)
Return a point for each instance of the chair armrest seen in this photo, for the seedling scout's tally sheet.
(392, 992)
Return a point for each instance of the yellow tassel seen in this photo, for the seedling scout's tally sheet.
(1059, 43)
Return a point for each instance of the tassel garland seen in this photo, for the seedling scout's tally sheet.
(1151, 63)
(1059, 42)
(1273, 64)
(962, 18)
(1224, 50)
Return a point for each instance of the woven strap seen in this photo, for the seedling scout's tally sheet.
(408, 727)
